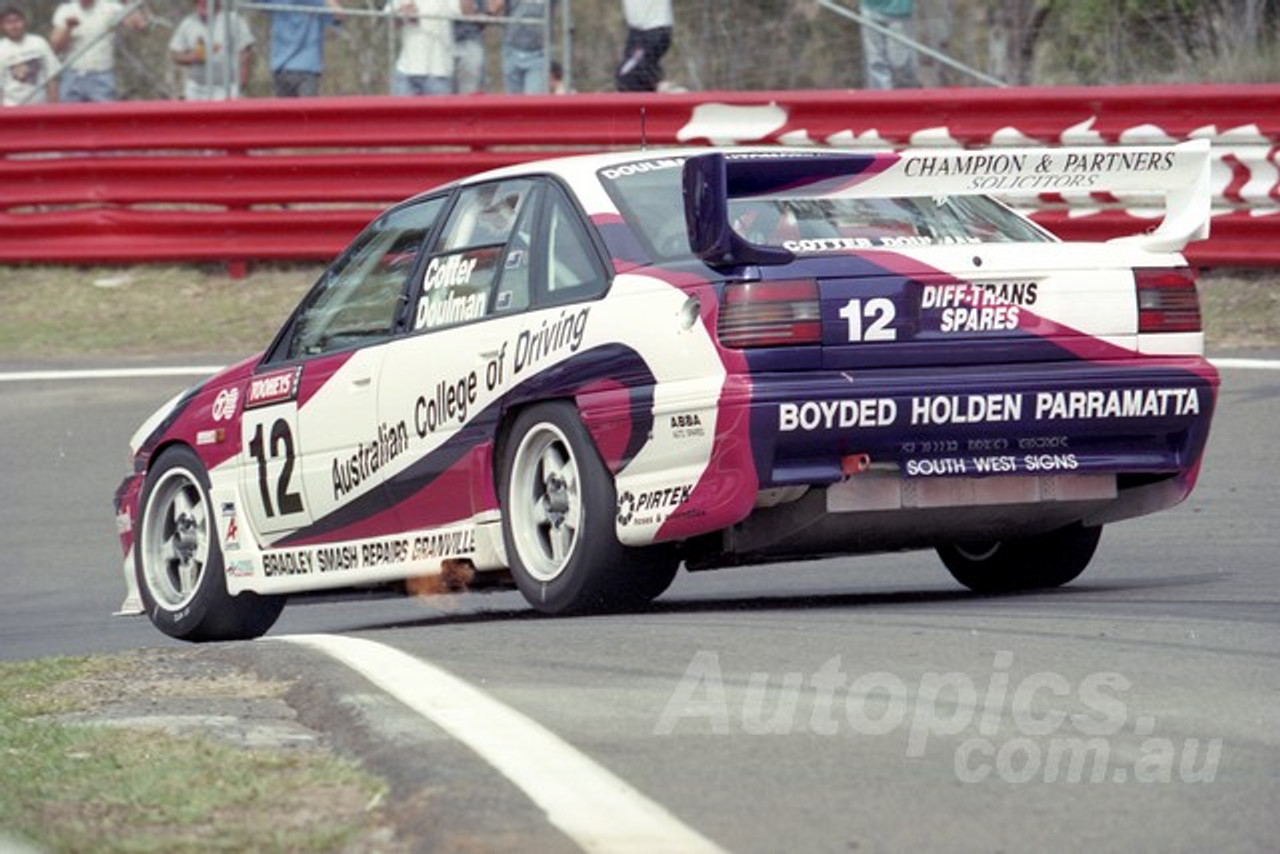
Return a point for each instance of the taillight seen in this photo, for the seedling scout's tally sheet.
(1167, 300)
(771, 314)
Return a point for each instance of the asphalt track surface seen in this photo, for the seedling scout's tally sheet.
(865, 704)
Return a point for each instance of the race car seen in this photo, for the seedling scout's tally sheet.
(578, 375)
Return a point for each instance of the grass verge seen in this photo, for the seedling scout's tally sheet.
(1241, 309)
(84, 788)
(186, 312)
(57, 312)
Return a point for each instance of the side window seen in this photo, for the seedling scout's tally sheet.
(357, 301)
(479, 245)
(513, 279)
(573, 270)
(485, 215)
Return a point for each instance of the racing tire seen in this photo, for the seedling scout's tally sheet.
(178, 561)
(648, 574)
(558, 511)
(1030, 563)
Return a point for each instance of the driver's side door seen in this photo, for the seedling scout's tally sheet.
(312, 447)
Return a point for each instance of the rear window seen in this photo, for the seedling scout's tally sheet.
(648, 193)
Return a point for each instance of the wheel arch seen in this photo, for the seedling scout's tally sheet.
(161, 449)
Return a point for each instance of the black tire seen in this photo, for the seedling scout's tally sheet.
(178, 561)
(649, 573)
(1030, 563)
(558, 511)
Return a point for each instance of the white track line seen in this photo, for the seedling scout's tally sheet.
(110, 373)
(1248, 364)
(597, 810)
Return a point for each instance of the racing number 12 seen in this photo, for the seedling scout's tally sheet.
(880, 311)
(288, 501)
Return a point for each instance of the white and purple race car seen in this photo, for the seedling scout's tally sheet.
(578, 375)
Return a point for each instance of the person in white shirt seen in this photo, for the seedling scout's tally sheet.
(649, 25)
(424, 65)
(84, 32)
(202, 43)
(27, 63)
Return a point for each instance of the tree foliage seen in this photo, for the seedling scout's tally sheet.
(1162, 40)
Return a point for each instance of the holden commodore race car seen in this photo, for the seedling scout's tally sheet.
(578, 375)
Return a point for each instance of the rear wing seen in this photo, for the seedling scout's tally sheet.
(1178, 172)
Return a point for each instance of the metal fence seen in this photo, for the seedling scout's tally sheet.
(362, 45)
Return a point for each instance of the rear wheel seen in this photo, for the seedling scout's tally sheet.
(178, 561)
(650, 572)
(1029, 563)
(558, 511)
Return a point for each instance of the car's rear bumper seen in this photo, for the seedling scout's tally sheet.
(1146, 416)
(921, 456)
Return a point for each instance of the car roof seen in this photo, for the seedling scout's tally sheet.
(575, 166)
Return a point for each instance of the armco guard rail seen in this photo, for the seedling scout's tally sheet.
(271, 179)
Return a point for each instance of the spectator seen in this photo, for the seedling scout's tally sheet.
(648, 39)
(469, 73)
(425, 63)
(524, 48)
(888, 63)
(90, 26)
(27, 63)
(297, 47)
(203, 48)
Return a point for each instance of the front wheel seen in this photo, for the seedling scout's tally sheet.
(558, 512)
(178, 561)
(1029, 563)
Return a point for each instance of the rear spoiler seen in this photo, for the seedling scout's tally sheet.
(1179, 172)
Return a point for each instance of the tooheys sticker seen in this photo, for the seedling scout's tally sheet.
(272, 388)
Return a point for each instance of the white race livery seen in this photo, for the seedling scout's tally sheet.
(581, 374)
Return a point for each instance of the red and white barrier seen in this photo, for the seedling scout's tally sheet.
(269, 179)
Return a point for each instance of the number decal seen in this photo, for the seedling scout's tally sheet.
(288, 501)
(259, 454)
(880, 311)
